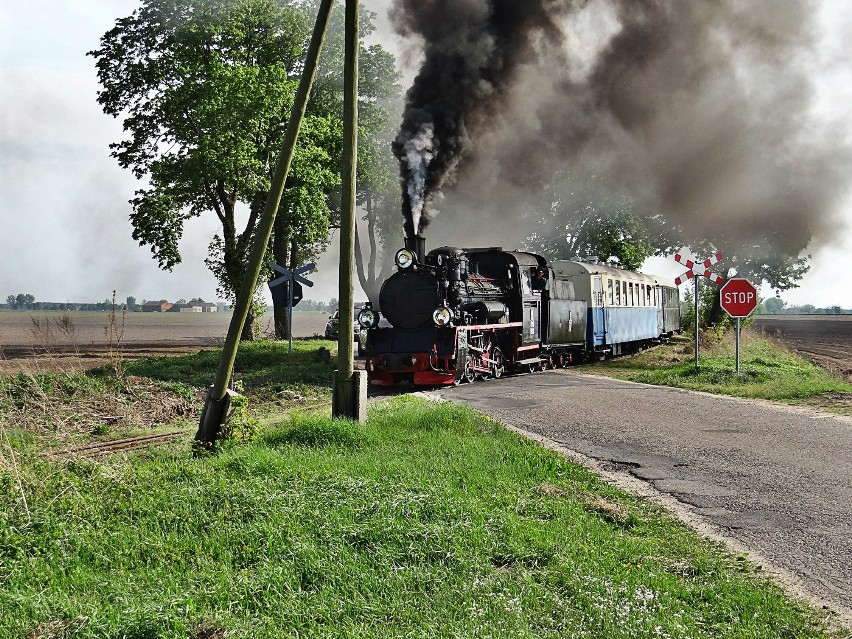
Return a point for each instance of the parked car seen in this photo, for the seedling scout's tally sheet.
(332, 329)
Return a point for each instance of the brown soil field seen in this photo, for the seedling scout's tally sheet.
(57, 341)
(825, 340)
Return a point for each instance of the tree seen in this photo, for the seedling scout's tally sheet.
(585, 218)
(12, 302)
(774, 305)
(300, 234)
(378, 189)
(205, 89)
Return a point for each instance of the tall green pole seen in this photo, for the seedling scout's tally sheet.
(346, 402)
(216, 406)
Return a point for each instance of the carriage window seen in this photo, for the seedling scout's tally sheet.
(632, 296)
(641, 295)
(650, 302)
(624, 292)
(617, 293)
(609, 294)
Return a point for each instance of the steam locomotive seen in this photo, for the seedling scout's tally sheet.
(457, 314)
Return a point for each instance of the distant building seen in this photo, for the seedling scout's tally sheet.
(158, 306)
(184, 308)
(206, 307)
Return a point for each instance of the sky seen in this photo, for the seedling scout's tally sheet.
(64, 227)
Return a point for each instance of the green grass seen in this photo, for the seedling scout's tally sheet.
(766, 371)
(264, 368)
(430, 521)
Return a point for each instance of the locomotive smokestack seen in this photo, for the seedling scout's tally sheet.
(417, 244)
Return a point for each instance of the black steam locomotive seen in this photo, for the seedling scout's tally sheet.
(456, 314)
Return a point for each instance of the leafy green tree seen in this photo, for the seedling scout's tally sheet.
(205, 89)
(587, 219)
(774, 305)
(12, 302)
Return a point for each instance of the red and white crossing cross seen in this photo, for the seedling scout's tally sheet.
(698, 269)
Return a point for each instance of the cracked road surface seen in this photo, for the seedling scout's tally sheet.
(776, 480)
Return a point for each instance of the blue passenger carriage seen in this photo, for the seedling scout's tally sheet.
(627, 311)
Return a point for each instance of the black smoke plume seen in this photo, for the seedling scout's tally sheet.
(473, 49)
(703, 110)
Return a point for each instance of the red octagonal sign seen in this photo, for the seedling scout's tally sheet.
(738, 297)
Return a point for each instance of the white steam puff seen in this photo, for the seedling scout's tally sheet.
(419, 152)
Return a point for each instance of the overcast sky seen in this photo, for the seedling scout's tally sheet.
(64, 229)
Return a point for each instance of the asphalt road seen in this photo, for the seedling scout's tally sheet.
(774, 480)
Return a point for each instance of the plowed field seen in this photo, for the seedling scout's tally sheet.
(55, 341)
(823, 339)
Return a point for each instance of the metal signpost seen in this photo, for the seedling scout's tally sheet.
(292, 281)
(738, 298)
(693, 272)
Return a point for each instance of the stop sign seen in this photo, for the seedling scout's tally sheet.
(738, 297)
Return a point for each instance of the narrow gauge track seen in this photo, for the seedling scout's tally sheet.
(101, 449)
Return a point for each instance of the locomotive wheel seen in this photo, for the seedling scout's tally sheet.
(497, 367)
(469, 373)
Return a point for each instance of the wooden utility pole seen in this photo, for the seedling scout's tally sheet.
(350, 386)
(218, 398)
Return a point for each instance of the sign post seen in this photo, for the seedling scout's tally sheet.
(292, 281)
(694, 272)
(738, 299)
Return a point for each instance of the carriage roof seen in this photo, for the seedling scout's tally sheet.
(568, 268)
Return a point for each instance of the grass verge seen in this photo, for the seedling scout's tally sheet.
(767, 371)
(136, 396)
(431, 521)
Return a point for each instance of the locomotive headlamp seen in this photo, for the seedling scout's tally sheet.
(404, 259)
(442, 316)
(368, 318)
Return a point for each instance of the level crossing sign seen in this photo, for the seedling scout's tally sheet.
(295, 274)
(287, 289)
(698, 269)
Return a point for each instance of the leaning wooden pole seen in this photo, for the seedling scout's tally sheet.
(218, 399)
(349, 399)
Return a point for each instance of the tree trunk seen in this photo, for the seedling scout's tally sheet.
(248, 328)
(371, 280)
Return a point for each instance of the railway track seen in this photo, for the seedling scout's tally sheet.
(101, 449)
